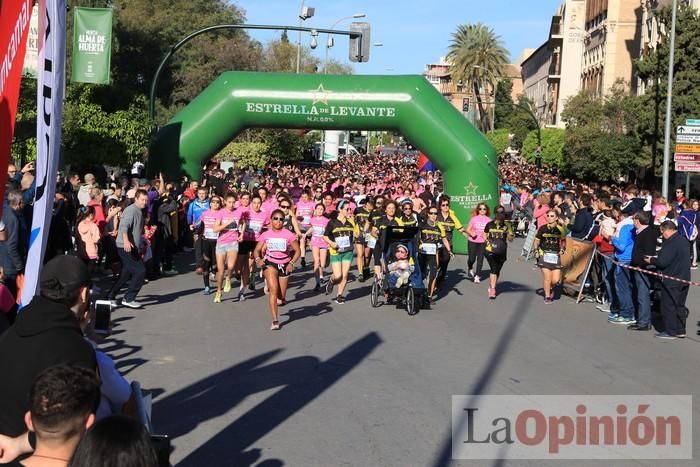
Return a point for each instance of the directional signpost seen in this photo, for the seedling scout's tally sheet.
(687, 154)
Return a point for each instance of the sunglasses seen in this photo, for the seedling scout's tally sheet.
(445, 204)
(433, 213)
(500, 212)
(408, 207)
(483, 209)
(285, 206)
(552, 217)
(277, 218)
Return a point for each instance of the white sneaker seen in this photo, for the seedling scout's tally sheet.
(132, 304)
(477, 279)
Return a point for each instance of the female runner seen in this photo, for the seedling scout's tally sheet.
(207, 222)
(319, 247)
(272, 254)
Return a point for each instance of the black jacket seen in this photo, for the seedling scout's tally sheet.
(45, 334)
(583, 221)
(644, 245)
(13, 252)
(674, 260)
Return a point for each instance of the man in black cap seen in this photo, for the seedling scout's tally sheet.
(47, 332)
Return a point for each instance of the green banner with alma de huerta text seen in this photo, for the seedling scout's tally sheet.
(92, 45)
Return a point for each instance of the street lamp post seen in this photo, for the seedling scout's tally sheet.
(329, 38)
(669, 91)
(266, 27)
(302, 17)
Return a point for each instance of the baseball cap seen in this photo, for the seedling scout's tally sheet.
(62, 276)
(405, 202)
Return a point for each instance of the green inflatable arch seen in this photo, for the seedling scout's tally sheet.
(407, 104)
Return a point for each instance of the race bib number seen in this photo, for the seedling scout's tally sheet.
(210, 234)
(318, 231)
(371, 241)
(429, 248)
(551, 258)
(276, 244)
(343, 243)
(256, 226)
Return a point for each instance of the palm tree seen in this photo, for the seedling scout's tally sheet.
(477, 56)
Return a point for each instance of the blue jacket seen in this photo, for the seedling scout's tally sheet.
(686, 221)
(623, 241)
(13, 250)
(195, 210)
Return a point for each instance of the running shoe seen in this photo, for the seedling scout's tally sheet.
(207, 290)
(241, 296)
(131, 304)
(613, 315)
(329, 287)
(227, 285)
(664, 335)
(548, 301)
(217, 297)
(492, 293)
(339, 300)
(622, 320)
(470, 274)
(170, 272)
(604, 308)
(694, 266)
(477, 279)
(275, 326)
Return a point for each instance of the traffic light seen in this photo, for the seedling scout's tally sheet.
(360, 45)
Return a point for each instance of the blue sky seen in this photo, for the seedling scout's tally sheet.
(413, 32)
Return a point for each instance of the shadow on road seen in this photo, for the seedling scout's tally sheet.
(498, 353)
(300, 379)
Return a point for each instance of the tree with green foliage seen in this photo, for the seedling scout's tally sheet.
(246, 155)
(598, 144)
(649, 108)
(477, 56)
(499, 140)
(520, 121)
(504, 103)
(553, 140)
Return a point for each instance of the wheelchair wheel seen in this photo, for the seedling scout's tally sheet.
(374, 296)
(411, 306)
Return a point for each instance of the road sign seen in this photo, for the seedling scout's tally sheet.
(692, 121)
(680, 157)
(688, 130)
(688, 148)
(688, 139)
(687, 166)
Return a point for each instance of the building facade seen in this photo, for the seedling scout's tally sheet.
(610, 44)
(535, 71)
(652, 32)
(572, 17)
(461, 95)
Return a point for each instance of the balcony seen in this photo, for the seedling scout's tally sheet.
(554, 69)
(556, 30)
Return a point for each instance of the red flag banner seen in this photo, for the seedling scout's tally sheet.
(14, 27)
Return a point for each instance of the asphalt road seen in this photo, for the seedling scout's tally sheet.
(354, 386)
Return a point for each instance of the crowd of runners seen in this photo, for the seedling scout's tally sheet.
(256, 228)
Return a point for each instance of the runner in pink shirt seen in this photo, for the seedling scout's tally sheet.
(304, 210)
(272, 254)
(207, 221)
(319, 247)
(255, 221)
(228, 225)
(476, 241)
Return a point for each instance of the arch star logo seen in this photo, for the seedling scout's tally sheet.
(319, 95)
(470, 190)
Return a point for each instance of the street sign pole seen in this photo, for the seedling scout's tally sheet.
(669, 92)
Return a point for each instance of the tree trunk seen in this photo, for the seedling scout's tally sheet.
(483, 118)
